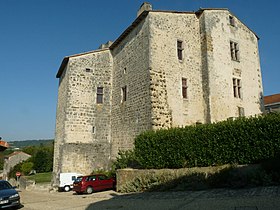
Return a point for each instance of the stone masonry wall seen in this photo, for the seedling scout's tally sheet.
(131, 69)
(83, 126)
(60, 119)
(167, 71)
(220, 68)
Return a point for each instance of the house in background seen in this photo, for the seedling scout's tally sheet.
(13, 159)
(272, 103)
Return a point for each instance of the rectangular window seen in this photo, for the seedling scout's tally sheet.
(124, 94)
(241, 112)
(180, 49)
(234, 51)
(184, 87)
(236, 87)
(231, 20)
(99, 97)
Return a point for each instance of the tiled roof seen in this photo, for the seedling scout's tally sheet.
(272, 99)
(16, 153)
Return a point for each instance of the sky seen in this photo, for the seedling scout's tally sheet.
(35, 35)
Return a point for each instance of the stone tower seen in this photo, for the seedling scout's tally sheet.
(166, 69)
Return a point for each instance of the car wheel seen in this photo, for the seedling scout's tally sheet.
(66, 188)
(89, 190)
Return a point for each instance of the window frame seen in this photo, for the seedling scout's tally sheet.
(124, 94)
(99, 95)
(234, 51)
(180, 49)
(232, 21)
(237, 86)
(184, 88)
(241, 111)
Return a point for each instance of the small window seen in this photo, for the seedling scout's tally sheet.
(99, 97)
(124, 70)
(241, 112)
(88, 70)
(236, 87)
(93, 129)
(231, 20)
(180, 49)
(234, 51)
(184, 88)
(124, 94)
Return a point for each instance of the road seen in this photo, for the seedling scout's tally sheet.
(263, 198)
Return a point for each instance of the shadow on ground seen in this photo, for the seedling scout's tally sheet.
(244, 183)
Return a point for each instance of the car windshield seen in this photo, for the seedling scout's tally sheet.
(5, 185)
(78, 179)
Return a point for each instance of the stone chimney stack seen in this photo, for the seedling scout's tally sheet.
(144, 7)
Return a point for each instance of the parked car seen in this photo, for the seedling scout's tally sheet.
(9, 197)
(96, 182)
(66, 180)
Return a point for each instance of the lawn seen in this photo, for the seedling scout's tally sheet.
(41, 177)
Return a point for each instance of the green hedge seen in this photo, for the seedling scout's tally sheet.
(241, 141)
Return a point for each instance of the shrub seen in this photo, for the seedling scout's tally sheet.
(26, 167)
(125, 159)
(241, 141)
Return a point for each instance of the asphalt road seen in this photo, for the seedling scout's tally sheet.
(265, 198)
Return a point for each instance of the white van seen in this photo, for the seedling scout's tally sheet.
(66, 180)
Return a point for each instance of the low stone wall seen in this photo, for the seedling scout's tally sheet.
(128, 177)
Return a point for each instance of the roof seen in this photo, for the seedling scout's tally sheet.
(3, 145)
(135, 23)
(272, 99)
(16, 153)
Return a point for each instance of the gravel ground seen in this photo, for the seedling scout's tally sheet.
(264, 198)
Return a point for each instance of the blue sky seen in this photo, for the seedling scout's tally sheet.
(35, 35)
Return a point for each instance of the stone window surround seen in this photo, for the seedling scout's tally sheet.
(184, 88)
(236, 82)
(99, 95)
(234, 51)
(241, 112)
(123, 94)
(232, 21)
(180, 49)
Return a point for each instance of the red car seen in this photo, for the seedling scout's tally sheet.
(96, 182)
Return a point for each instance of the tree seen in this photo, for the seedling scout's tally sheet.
(26, 167)
(43, 160)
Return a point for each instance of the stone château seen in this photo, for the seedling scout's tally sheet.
(167, 69)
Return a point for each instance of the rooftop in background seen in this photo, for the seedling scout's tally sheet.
(3, 145)
(272, 99)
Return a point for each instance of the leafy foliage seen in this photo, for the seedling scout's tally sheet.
(41, 160)
(125, 159)
(241, 141)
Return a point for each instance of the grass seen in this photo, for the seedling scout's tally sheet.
(41, 177)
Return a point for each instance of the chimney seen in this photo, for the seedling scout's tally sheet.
(144, 7)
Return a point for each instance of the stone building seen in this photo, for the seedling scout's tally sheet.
(167, 69)
(13, 159)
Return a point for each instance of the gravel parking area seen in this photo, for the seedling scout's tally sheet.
(266, 198)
